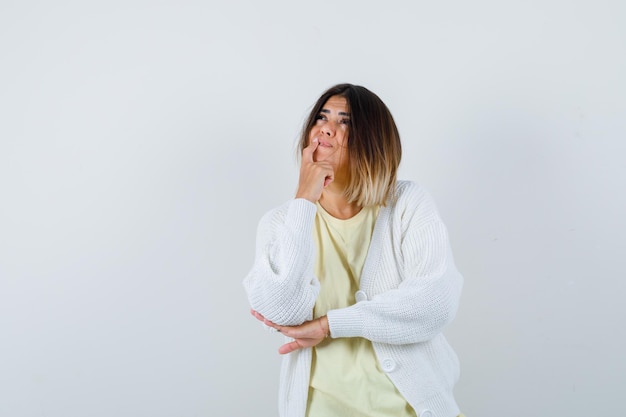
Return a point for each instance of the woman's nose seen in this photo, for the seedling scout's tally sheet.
(329, 129)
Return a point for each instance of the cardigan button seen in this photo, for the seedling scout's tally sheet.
(388, 365)
(426, 413)
(360, 296)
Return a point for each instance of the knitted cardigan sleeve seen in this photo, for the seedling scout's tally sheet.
(281, 284)
(426, 286)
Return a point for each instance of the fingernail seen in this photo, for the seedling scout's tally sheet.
(314, 140)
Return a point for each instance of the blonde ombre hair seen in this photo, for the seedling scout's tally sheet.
(374, 149)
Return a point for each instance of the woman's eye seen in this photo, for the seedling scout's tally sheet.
(320, 117)
(345, 121)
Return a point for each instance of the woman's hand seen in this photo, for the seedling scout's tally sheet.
(314, 176)
(308, 334)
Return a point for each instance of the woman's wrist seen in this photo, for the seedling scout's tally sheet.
(305, 196)
(325, 326)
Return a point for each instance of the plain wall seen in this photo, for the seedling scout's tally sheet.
(141, 141)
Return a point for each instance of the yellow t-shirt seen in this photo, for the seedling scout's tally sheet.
(346, 379)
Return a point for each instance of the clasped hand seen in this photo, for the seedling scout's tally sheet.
(308, 334)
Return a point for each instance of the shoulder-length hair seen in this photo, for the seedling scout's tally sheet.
(374, 149)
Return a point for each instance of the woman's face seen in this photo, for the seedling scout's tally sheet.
(331, 130)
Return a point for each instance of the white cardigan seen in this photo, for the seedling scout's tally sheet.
(409, 291)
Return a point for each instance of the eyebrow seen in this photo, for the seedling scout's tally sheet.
(341, 113)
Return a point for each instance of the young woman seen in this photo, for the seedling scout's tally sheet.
(356, 271)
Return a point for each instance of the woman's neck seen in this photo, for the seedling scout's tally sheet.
(337, 205)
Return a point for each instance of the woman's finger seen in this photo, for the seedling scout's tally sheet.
(289, 347)
(260, 317)
(272, 324)
(257, 315)
(307, 153)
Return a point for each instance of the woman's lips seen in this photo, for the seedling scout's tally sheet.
(325, 144)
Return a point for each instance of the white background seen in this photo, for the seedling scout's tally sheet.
(141, 141)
